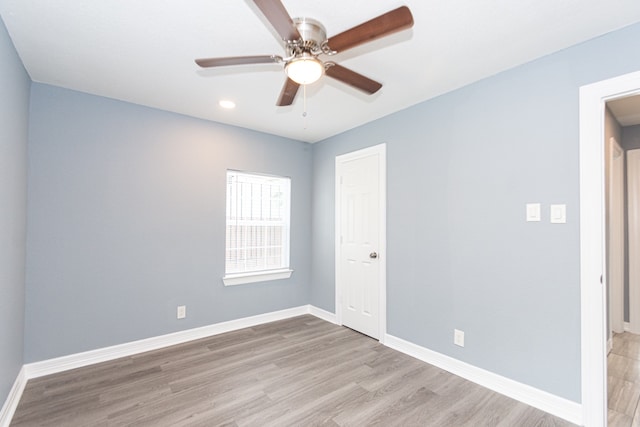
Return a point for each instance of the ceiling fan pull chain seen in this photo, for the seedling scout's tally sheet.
(304, 103)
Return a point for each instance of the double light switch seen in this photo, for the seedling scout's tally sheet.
(557, 215)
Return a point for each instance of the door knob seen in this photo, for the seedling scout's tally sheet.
(373, 255)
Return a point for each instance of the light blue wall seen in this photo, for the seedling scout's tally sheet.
(126, 221)
(14, 115)
(461, 168)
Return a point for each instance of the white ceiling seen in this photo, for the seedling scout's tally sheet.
(142, 51)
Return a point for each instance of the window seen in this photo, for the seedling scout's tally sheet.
(257, 236)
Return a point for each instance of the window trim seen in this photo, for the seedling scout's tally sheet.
(256, 276)
(244, 277)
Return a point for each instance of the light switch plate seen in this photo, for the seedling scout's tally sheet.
(533, 212)
(558, 214)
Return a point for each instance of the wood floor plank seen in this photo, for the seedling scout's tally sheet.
(623, 381)
(623, 395)
(301, 371)
(617, 419)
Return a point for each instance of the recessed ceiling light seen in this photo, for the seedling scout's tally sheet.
(227, 104)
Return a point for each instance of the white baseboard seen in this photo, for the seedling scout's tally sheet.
(323, 314)
(558, 406)
(64, 363)
(626, 326)
(10, 405)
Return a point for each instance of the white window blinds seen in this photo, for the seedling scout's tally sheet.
(257, 236)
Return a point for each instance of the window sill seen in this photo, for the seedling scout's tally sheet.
(259, 276)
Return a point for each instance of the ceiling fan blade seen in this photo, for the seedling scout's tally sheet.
(278, 16)
(352, 78)
(288, 93)
(384, 25)
(237, 60)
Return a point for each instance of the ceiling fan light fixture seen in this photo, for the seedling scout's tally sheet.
(305, 69)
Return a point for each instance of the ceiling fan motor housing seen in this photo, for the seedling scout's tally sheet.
(312, 33)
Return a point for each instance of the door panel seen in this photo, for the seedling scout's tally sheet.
(360, 236)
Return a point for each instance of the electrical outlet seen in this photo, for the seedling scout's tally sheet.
(458, 337)
(182, 311)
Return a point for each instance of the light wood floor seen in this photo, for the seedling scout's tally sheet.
(296, 372)
(623, 382)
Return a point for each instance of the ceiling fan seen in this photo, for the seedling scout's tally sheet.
(305, 40)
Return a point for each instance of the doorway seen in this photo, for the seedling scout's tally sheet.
(361, 241)
(593, 98)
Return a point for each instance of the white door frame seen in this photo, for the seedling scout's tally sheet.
(381, 151)
(592, 238)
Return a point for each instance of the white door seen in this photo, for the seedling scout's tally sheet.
(360, 241)
(615, 229)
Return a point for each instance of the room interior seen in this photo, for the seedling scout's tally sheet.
(113, 179)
